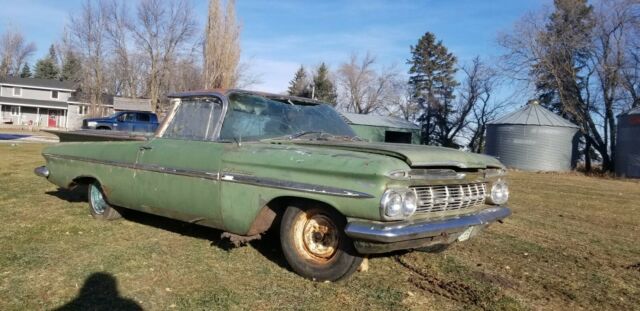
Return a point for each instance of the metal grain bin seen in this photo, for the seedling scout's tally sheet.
(628, 144)
(533, 139)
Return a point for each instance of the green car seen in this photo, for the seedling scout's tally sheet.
(244, 162)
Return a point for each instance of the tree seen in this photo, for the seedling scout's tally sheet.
(432, 79)
(364, 90)
(14, 52)
(580, 59)
(87, 29)
(161, 29)
(47, 68)
(477, 90)
(323, 88)
(70, 67)
(26, 71)
(299, 85)
(221, 47)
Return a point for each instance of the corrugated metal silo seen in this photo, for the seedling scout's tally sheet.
(628, 144)
(533, 139)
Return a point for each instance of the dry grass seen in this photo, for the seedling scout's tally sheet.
(572, 243)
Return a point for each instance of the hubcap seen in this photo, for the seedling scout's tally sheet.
(98, 204)
(317, 236)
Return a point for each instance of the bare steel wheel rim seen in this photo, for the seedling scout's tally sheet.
(316, 236)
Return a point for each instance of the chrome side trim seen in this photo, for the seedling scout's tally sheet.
(411, 230)
(228, 177)
(41, 171)
(290, 185)
(143, 167)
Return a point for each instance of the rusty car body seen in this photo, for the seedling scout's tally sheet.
(244, 162)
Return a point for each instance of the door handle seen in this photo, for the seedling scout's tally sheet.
(142, 148)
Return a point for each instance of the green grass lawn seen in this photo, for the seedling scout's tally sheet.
(573, 242)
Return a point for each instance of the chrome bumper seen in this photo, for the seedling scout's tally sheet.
(41, 171)
(380, 237)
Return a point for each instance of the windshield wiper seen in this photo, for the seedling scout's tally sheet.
(304, 133)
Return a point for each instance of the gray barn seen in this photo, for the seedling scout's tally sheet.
(628, 145)
(533, 139)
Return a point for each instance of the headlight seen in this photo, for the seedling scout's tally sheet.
(398, 204)
(499, 193)
(92, 123)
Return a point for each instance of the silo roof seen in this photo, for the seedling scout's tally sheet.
(534, 114)
(372, 120)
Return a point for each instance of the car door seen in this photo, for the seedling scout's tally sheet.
(143, 122)
(177, 173)
(126, 121)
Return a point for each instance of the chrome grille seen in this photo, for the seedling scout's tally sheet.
(438, 198)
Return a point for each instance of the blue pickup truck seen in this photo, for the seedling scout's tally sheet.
(126, 121)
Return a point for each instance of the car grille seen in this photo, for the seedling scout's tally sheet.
(439, 198)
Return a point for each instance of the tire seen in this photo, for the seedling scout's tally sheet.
(98, 206)
(315, 245)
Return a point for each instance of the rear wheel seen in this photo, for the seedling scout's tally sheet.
(315, 245)
(98, 206)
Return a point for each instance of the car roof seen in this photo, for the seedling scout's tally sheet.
(226, 92)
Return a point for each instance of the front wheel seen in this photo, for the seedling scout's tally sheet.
(315, 245)
(98, 206)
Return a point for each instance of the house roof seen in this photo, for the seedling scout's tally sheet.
(534, 114)
(131, 104)
(631, 111)
(372, 120)
(33, 102)
(39, 83)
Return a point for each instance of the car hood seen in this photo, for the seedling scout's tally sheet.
(413, 155)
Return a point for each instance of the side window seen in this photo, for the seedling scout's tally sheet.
(54, 94)
(143, 117)
(196, 119)
(130, 117)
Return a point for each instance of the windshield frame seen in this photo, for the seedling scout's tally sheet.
(224, 96)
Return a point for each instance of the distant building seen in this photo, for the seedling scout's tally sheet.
(37, 102)
(628, 144)
(383, 129)
(49, 103)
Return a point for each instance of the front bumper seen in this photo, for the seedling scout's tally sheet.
(42, 171)
(380, 237)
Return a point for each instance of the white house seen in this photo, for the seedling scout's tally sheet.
(38, 102)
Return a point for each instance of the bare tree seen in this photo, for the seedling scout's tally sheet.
(87, 29)
(221, 47)
(364, 90)
(161, 28)
(14, 52)
(478, 87)
(578, 58)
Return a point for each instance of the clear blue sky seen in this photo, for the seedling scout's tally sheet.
(278, 36)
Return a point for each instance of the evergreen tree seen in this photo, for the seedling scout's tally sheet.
(433, 83)
(70, 67)
(325, 90)
(26, 71)
(47, 68)
(299, 85)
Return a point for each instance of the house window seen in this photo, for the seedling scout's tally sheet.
(82, 110)
(17, 91)
(15, 111)
(54, 94)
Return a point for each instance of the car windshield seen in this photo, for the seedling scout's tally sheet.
(255, 117)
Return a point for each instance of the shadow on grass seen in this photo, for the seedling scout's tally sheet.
(268, 245)
(100, 292)
(75, 195)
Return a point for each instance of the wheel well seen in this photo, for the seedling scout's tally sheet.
(83, 180)
(272, 212)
